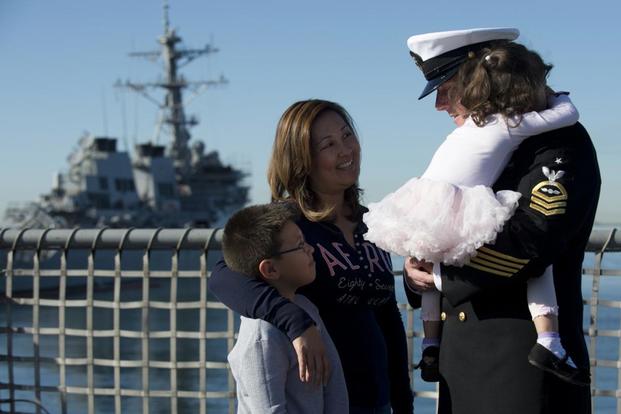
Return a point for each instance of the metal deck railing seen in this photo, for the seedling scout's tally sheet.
(120, 320)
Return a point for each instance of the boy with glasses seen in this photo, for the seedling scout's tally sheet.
(264, 242)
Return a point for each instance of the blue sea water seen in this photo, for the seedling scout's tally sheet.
(187, 350)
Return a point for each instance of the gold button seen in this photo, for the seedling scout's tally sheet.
(462, 316)
(443, 316)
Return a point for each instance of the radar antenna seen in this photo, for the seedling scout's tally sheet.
(174, 84)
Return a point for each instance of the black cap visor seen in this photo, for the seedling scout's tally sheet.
(435, 83)
(439, 69)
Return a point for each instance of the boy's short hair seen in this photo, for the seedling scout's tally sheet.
(253, 234)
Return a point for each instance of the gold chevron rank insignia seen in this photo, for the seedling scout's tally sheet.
(496, 263)
(549, 197)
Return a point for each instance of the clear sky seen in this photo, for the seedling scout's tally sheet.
(60, 59)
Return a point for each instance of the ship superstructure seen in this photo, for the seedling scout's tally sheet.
(177, 185)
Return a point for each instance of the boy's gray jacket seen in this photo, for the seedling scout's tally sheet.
(265, 368)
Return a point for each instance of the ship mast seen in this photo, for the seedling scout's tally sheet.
(174, 84)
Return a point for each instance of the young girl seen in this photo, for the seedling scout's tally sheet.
(451, 211)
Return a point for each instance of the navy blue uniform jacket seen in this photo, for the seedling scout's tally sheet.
(488, 330)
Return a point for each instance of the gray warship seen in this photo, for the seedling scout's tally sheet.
(178, 185)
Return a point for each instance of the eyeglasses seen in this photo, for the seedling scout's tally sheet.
(300, 246)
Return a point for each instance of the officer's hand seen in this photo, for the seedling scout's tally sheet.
(312, 360)
(418, 274)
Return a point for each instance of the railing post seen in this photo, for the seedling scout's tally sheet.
(146, 281)
(9, 318)
(36, 338)
(62, 298)
(597, 271)
(116, 322)
(202, 341)
(90, 292)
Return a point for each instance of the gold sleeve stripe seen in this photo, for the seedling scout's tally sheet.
(481, 261)
(499, 261)
(547, 212)
(488, 270)
(547, 205)
(503, 256)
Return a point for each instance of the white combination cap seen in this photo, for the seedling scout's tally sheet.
(440, 54)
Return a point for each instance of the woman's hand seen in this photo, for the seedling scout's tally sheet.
(418, 274)
(312, 360)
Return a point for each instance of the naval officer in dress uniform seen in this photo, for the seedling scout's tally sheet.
(488, 331)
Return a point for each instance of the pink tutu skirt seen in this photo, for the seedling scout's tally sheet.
(437, 221)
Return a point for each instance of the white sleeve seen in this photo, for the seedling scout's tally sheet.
(561, 113)
(473, 155)
(437, 276)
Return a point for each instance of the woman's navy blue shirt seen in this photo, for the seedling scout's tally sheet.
(355, 293)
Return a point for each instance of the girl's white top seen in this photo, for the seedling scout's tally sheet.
(449, 212)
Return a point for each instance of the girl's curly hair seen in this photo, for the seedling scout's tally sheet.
(503, 77)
